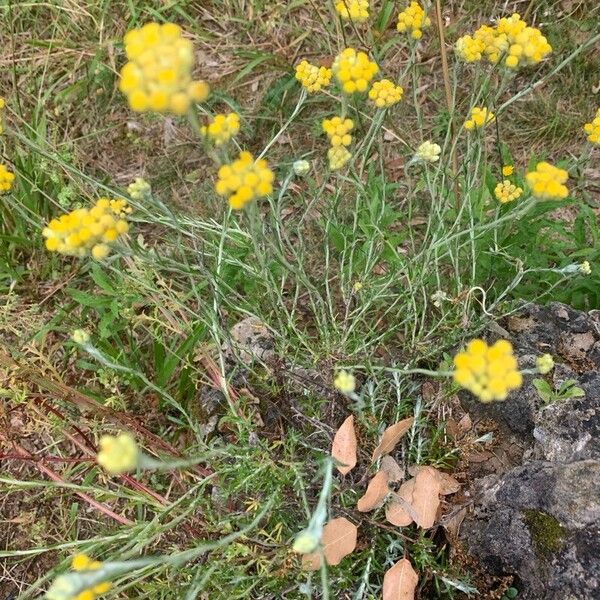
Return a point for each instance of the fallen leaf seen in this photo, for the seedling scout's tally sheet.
(392, 469)
(448, 485)
(391, 436)
(399, 509)
(343, 448)
(400, 582)
(426, 496)
(453, 521)
(376, 492)
(337, 541)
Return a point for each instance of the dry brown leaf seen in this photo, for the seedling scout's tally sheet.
(376, 492)
(343, 448)
(391, 436)
(312, 561)
(400, 582)
(397, 510)
(392, 469)
(448, 485)
(426, 496)
(337, 541)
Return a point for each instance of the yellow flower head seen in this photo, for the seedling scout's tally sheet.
(338, 130)
(585, 268)
(385, 93)
(353, 10)
(158, 76)
(118, 454)
(311, 77)
(222, 128)
(344, 382)
(488, 372)
(6, 179)
(480, 117)
(507, 170)
(544, 363)
(338, 157)
(413, 20)
(63, 589)
(353, 70)
(139, 189)
(507, 192)
(593, 129)
(469, 49)
(547, 182)
(244, 179)
(428, 152)
(85, 232)
(301, 167)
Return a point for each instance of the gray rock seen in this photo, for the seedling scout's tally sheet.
(539, 521)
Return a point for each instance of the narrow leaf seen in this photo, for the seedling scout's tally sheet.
(343, 448)
(391, 436)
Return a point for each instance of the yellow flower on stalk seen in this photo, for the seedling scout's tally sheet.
(338, 157)
(469, 49)
(62, 588)
(385, 93)
(507, 192)
(593, 129)
(353, 10)
(244, 180)
(311, 77)
(158, 76)
(345, 382)
(139, 189)
(585, 268)
(118, 454)
(544, 363)
(88, 231)
(479, 118)
(338, 130)
(6, 179)
(222, 128)
(354, 70)
(428, 152)
(507, 170)
(413, 19)
(488, 372)
(547, 182)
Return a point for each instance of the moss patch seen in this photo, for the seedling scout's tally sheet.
(546, 532)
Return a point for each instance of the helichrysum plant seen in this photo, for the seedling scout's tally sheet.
(6, 179)
(479, 118)
(507, 192)
(385, 93)
(62, 587)
(244, 180)
(547, 182)
(428, 152)
(312, 78)
(139, 189)
(413, 20)
(338, 131)
(354, 70)
(84, 232)
(488, 372)
(118, 454)
(158, 76)
(353, 10)
(338, 157)
(222, 128)
(592, 129)
(507, 170)
(344, 382)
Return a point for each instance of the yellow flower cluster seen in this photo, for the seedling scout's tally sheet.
(353, 10)
(82, 231)
(353, 70)
(547, 182)
(158, 76)
(139, 189)
(311, 77)
(244, 179)
(344, 382)
(338, 157)
(338, 131)
(488, 372)
(118, 454)
(507, 191)
(479, 118)
(507, 170)
(6, 179)
(511, 39)
(428, 152)
(82, 562)
(413, 19)
(222, 128)
(593, 129)
(385, 93)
